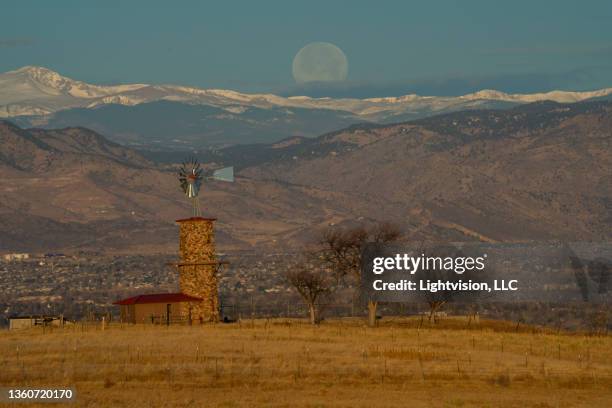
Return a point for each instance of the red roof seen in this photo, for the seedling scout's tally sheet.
(196, 219)
(158, 298)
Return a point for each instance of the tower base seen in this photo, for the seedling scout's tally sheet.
(198, 267)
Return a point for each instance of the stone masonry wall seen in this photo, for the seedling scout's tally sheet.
(196, 278)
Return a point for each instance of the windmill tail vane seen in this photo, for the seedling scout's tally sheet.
(224, 174)
(191, 176)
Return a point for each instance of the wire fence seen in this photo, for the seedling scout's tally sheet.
(236, 311)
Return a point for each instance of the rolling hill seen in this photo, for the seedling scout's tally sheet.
(72, 189)
(535, 172)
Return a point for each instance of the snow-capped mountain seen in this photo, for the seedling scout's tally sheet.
(180, 117)
(40, 91)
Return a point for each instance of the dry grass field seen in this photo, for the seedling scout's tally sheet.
(287, 363)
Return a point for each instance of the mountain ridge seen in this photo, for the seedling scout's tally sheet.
(175, 117)
(535, 172)
(54, 84)
(38, 150)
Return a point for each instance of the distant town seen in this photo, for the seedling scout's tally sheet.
(85, 285)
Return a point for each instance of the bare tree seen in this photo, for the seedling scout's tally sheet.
(436, 300)
(342, 250)
(312, 283)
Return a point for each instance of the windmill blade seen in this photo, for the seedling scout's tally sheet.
(224, 174)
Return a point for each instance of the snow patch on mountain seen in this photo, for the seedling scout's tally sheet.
(40, 91)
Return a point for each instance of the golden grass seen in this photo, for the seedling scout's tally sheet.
(289, 363)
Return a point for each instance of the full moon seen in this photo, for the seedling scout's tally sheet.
(318, 62)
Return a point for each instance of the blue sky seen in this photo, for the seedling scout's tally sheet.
(393, 48)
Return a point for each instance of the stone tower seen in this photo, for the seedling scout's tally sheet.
(198, 266)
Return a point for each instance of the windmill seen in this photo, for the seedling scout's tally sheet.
(191, 176)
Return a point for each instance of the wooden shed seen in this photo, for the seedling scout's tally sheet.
(159, 308)
(27, 321)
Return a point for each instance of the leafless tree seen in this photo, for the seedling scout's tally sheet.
(342, 248)
(313, 283)
(436, 300)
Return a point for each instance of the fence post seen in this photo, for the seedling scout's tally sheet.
(252, 312)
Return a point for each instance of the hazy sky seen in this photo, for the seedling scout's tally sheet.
(435, 47)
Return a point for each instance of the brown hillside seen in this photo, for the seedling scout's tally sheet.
(536, 172)
(72, 189)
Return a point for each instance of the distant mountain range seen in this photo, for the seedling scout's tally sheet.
(184, 118)
(539, 171)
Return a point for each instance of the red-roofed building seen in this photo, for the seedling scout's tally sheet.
(198, 299)
(158, 308)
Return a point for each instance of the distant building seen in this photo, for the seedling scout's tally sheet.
(55, 255)
(160, 308)
(25, 322)
(15, 257)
